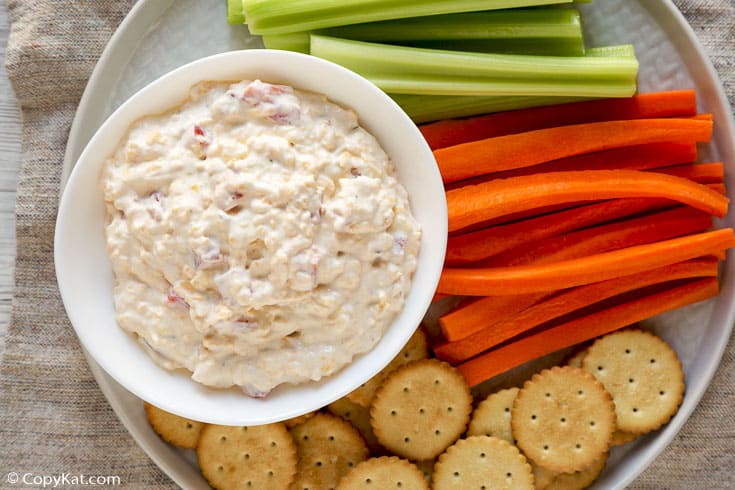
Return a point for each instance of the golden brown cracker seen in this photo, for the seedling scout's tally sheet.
(421, 409)
(173, 429)
(492, 416)
(386, 472)
(542, 476)
(620, 437)
(563, 419)
(415, 349)
(262, 456)
(328, 448)
(359, 417)
(293, 422)
(482, 462)
(643, 375)
(579, 479)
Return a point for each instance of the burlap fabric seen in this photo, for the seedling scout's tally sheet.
(53, 417)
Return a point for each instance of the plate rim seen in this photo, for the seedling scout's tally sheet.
(145, 14)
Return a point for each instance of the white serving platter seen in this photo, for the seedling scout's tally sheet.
(160, 35)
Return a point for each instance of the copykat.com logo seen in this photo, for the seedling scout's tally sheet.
(38, 480)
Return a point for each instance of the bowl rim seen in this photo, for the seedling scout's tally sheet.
(429, 265)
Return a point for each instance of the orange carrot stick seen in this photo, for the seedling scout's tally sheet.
(680, 103)
(533, 147)
(704, 173)
(473, 204)
(649, 228)
(636, 157)
(584, 270)
(585, 328)
(471, 247)
(568, 302)
(474, 316)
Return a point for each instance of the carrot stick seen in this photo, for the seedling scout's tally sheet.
(568, 302)
(704, 173)
(585, 328)
(636, 157)
(472, 317)
(471, 247)
(719, 188)
(473, 204)
(460, 162)
(648, 228)
(681, 103)
(584, 270)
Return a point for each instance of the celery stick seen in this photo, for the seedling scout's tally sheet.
(425, 108)
(235, 13)
(281, 16)
(297, 41)
(620, 50)
(500, 24)
(364, 57)
(534, 46)
(458, 85)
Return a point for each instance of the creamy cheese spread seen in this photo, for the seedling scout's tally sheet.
(258, 236)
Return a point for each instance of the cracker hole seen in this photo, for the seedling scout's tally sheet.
(599, 368)
(405, 389)
(437, 432)
(318, 463)
(306, 438)
(548, 395)
(580, 392)
(270, 473)
(592, 423)
(456, 473)
(627, 351)
(347, 414)
(246, 456)
(273, 443)
(399, 484)
(509, 474)
(250, 483)
(449, 409)
(244, 429)
(653, 361)
(393, 412)
(533, 417)
(368, 481)
(220, 468)
(661, 393)
(436, 381)
(562, 420)
(350, 464)
(405, 355)
(507, 410)
(223, 438)
(188, 425)
(482, 455)
(331, 438)
(630, 380)
(578, 446)
(546, 448)
(635, 409)
(421, 410)
(406, 439)
(483, 487)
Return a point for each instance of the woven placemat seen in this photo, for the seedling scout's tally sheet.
(53, 417)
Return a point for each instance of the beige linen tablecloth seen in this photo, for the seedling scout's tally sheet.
(53, 417)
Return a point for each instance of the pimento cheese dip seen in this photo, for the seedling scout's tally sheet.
(258, 236)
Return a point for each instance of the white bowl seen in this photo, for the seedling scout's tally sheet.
(84, 270)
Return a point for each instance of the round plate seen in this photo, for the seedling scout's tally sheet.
(157, 37)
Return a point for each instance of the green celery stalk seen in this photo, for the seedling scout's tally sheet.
(235, 14)
(618, 50)
(364, 57)
(297, 41)
(533, 46)
(500, 24)
(426, 108)
(448, 85)
(284, 16)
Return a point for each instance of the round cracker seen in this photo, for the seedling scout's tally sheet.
(542, 476)
(359, 417)
(293, 422)
(259, 457)
(563, 419)
(579, 479)
(643, 375)
(482, 462)
(179, 431)
(492, 416)
(421, 409)
(415, 349)
(386, 472)
(620, 437)
(328, 448)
